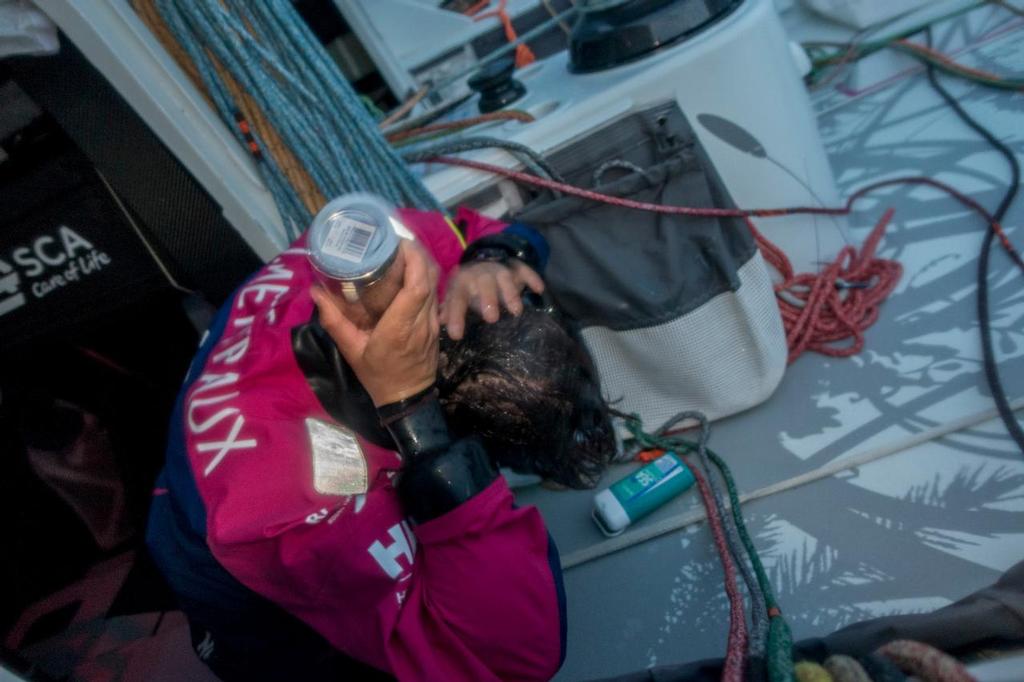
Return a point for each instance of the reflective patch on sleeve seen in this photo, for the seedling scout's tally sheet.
(339, 465)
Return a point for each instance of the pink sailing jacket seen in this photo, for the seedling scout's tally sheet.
(474, 594)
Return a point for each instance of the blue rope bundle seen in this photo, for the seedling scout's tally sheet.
(270, 52)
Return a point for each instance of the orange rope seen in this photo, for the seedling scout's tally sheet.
(509, 115)
(524, 55)
(404, 108)
(939, 56)
(249, 117)
(477, 7)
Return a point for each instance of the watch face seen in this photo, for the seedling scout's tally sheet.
(501, 247)
(491, 253)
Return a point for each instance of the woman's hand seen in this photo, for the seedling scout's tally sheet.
(480, 285)
(398, 357)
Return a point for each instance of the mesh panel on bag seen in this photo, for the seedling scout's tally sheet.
(721, 358)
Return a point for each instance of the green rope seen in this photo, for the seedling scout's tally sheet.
(827, 53)
(779, 648)
(871, 46)
(371, 107)
(780, 640)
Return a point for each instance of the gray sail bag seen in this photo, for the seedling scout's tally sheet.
(678, 312)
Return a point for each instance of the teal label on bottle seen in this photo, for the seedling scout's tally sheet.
(652, 485)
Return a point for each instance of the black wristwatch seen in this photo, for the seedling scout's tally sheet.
(501, 248)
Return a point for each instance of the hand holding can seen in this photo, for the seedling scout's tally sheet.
(353, 246)
(396, 358)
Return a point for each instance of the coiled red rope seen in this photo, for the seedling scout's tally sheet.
(836, 304)
(826, 312)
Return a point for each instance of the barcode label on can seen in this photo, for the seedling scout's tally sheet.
(348, 239)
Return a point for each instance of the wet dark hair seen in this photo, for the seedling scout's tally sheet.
(527, 386)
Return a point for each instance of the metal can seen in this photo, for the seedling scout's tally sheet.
(353, 246)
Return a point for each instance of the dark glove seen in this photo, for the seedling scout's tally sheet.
(437, 474)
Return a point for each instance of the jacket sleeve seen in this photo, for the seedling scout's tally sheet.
(485, 578)
(487, 601)
(480, 596)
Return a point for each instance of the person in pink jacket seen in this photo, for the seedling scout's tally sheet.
(330, 506)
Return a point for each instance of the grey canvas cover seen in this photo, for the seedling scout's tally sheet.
(678, 311)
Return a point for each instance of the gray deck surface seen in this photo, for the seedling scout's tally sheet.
(913, 531)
